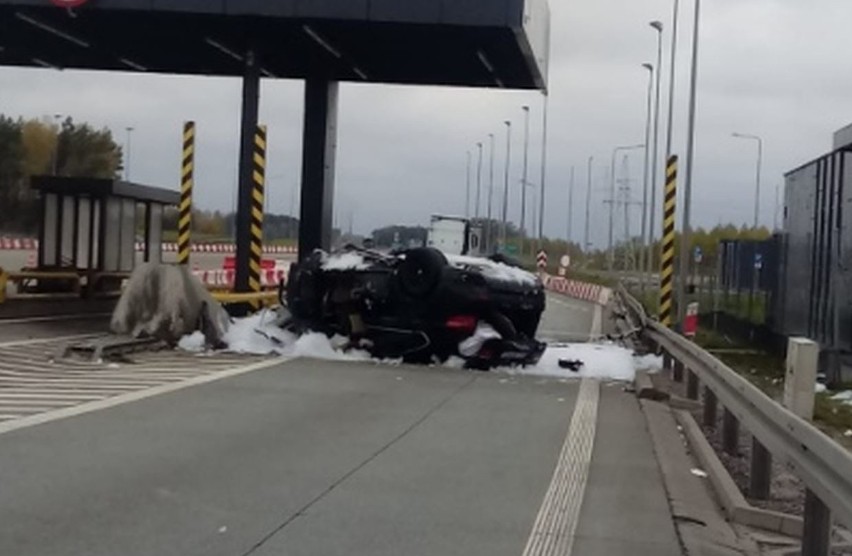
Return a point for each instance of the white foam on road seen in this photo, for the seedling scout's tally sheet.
(605, 361)
(843, 397)
(261, 334)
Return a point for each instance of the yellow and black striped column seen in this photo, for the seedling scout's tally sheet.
(257, 196)
(668, 259)
(187, 181)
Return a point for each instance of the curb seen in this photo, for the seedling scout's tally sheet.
(701, 526)
(645, 389)
(732, 500)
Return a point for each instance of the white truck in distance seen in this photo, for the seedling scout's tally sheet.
(454, 236)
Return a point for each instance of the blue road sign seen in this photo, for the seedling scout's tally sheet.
(758, 261)
(699, 254)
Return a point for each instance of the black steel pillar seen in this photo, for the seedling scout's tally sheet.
(248, 128)
(319, 145)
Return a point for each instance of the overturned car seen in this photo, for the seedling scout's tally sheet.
(420, 305)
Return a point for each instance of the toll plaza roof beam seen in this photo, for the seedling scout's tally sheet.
(426, 42)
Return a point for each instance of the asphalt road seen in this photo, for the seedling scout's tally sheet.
(306, 457)
(570, 320)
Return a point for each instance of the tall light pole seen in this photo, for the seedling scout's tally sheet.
(127, 161)
(506, 183)
(655, 163)
(543, 168)
(570, 234)
(643, 259)
(467, 189)
(488, 227)
(526, 110)
(478, 178)
(586, 242)
(759, 165)
(690, 159)
(615, 151)
(57, 118)
(673, 62)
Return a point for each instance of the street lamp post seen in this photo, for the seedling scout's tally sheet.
(759, 166)
(526, 110)
(672, 69)
(57, 118)
(643, 259)
(488, 228)
(543, 169)
(467, 189)
(506, 183)
(127, 162)
(690, 159)
(655, 163)
(570, 233)
(478, 178)
(586, 242)
(615, 151)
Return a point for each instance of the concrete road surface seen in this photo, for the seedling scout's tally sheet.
(319, 458)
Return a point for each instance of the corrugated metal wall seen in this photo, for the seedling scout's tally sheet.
(816, 253)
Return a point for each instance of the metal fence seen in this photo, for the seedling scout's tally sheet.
(824, 466)
(815, 277)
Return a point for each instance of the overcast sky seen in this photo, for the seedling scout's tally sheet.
(775, 68)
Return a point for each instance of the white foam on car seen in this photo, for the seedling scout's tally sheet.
(345, 261)
(494, 270)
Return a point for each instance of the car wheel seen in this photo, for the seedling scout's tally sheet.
(421, 271)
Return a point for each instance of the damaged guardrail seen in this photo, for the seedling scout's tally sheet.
(823, 465)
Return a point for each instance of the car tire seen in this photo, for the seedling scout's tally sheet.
(419, 274)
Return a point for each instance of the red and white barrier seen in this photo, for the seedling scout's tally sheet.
(18, 244)
(225, 278)
(578, 290)
(31, 244)
(223, 248)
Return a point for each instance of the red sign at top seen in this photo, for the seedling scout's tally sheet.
(68, 3)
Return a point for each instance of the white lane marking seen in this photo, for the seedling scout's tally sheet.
(65, 413)
(597, 324)
(59, 318)
(556, 524)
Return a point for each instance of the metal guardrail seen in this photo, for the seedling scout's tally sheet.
(823, 465)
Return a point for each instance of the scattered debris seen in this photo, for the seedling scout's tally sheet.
(848, 433)
(698, 472)
(571, 364)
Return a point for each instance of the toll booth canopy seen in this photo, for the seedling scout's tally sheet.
(94, 225)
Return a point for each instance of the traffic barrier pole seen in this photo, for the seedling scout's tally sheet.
(257, 198)
(668, 259)
(187, 181)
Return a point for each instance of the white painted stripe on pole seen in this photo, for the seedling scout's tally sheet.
(65, 413)
(556, 523)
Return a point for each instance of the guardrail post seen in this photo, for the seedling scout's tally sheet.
(760, 477)
(730, 433)
(816, 536)
(711, 404)
(691, 385)
(678, 371)
(667, 361)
